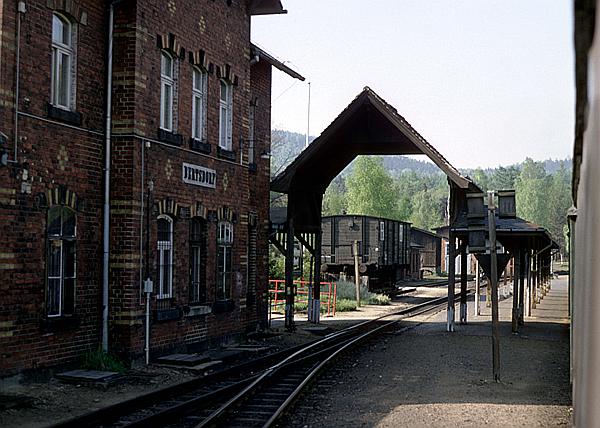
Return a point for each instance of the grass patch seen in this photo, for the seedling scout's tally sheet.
(346, 305)
(347, 291)
(99, 360)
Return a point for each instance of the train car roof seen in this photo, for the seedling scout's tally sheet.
(366, 216)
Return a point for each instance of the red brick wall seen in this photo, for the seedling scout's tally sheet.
(54, 155)
(222, 32)
(50, 155)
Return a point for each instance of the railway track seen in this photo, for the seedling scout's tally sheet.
(253, 394)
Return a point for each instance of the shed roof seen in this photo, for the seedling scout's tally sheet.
(368, 126)
(267, 57)
(265, 7)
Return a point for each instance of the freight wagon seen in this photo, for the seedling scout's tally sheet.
(383, 248)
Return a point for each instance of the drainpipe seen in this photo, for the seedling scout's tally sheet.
(21, 9)
(107, 155)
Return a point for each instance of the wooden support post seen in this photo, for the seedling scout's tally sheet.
(534, 291)
(451, 281)
(317, 280)
(477, 287)
(289, 277)
(522, 273)
(515, 308)
(356, 273)
(494, 287)
(463, 283)
(529, 285)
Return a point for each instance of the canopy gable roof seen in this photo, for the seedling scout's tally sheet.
(368, 126)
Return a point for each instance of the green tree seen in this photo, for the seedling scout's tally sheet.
(532, 189)
(334, 199)
(504, 178)
(370, 189)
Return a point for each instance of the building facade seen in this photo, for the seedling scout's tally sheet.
(188, 176)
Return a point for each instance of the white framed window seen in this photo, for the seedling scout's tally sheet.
(198, 252)
(165, 257)
(225, 115)
(167, 90)
(62, 62)
(199, 104)
(224, 260)
(61, 261)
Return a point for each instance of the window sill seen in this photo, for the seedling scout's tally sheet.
(67, 116)
(198, 310)
(168, 314)
(199, 146)
(170, 137)
(225, 154)
(60, 324)
(223, 306)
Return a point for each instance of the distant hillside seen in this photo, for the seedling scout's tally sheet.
(285, 146)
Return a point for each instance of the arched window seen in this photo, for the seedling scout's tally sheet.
(62, 62)
(199, 104)
(61, 261)
(198, 260)
(225, 115)
(167, 90)
(224, 260)
(165, 257)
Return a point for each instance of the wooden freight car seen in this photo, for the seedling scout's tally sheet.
(428, 252)
(383, 248)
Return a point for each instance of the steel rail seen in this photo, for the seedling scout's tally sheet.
(221, 412)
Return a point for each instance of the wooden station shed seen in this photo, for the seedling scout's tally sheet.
(368, 126)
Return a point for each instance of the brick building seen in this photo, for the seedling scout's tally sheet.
(188, 176)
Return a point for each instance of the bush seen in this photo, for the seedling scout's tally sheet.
(99, 360)
(347, 291)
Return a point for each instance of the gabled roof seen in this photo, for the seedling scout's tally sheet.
(265, 7)
(368, 126)
(265, 56)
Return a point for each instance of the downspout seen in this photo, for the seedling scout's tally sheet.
(107, 156)
(21, 9)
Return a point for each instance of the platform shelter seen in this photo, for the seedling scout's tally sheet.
(368, 126)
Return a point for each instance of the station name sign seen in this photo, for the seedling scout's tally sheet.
(199, 176)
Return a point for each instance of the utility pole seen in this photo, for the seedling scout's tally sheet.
(356, 273)
(494, 286)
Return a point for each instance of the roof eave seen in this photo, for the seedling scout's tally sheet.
(266, 7)
(276, 63)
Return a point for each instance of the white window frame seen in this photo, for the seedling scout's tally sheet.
(161, 246)
(225, 242)
(166, 80)
(199, 94)
(198, 248)
(60, 50)
(225, 115)
(60, 238)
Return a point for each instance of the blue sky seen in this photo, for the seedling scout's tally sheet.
(472, 76)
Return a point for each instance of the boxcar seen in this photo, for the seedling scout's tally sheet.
(383, 248)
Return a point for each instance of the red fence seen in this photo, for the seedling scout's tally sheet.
(277, 296)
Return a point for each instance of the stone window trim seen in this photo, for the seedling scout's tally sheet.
(70, 8)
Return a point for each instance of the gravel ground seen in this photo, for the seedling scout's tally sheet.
(54, 400)
(398, 380)
(424, 377)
